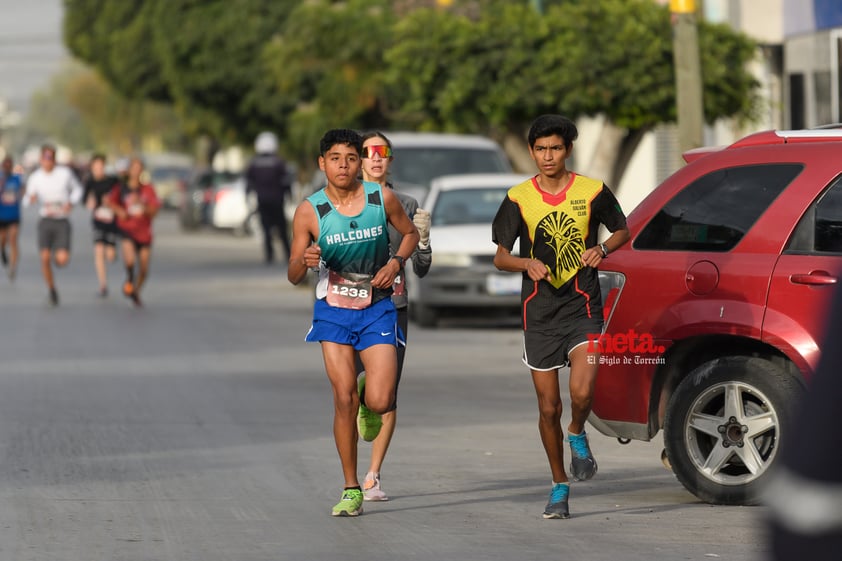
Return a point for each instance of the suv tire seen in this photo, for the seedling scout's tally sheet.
(727, 414)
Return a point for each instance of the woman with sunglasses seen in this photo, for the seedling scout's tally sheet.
(376, 158)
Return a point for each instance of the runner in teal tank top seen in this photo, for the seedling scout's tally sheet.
(343, 231)
(352, 246)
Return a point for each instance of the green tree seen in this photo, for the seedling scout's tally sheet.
(115, 38)
(580, 58)
(328, 66)
(234, 67)
(79, 108)
(202, 57)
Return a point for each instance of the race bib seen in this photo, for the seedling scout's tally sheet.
(135, 209)
(104, 214)
(398, 287)
(54, 209)
(352, 293)
(9, 197)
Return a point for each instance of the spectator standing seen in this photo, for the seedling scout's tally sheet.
(267, 177)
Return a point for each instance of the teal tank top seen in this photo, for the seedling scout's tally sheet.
(354, 244)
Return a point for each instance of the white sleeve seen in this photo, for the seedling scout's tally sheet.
(30, 189)
(76, 189)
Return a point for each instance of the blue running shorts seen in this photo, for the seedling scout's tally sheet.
(361, 329)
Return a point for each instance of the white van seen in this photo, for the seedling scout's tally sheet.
(422, 156)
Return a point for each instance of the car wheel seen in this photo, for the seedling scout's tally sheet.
(725, 425)
(424, 316)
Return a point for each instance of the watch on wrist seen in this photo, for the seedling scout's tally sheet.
(401, 261)
(604, 250)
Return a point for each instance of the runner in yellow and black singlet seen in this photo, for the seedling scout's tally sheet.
(555, 217)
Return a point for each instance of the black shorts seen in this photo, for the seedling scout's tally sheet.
(137, 245)
(6, 223)
(105, 233)
(54, 233)
(549, 348)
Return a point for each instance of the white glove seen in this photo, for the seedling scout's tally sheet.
(421, 219)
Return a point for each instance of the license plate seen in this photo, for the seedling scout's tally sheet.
(503, 284)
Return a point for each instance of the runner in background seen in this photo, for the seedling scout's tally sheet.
(11, 193)
(97, 187)
(56, 188)
(376, 159)
(135, 205)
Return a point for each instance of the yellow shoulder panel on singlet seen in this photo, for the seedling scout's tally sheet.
(557, 224)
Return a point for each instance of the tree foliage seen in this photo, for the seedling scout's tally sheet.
(234, 67)
(80, 109)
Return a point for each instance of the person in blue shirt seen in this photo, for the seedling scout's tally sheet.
(11, 193)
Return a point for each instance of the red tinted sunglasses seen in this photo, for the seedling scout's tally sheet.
(381, 150)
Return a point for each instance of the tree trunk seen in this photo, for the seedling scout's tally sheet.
(518, 152)
(614, 150)
(604, 158)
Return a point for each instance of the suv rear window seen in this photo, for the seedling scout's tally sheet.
(714, 212)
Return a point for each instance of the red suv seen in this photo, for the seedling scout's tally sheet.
(716, 308)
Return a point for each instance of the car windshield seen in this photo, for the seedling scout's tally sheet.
(420, 165)
(467, 206)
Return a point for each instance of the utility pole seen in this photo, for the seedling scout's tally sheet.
(688, 75)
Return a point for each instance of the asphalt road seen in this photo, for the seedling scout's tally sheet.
(199, 428)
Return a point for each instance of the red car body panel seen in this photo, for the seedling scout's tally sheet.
(755, 292)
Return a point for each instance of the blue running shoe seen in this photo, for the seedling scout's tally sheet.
(582, 463)
(557, 505)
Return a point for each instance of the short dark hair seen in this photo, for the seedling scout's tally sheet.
(549, 125)
(98, 156)
(48, 148)
(347, 137)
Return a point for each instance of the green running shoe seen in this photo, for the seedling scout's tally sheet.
(369, 423)
(351, 503)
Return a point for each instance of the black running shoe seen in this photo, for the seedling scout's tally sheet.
(53, 297)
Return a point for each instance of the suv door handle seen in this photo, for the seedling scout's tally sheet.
(815, 277)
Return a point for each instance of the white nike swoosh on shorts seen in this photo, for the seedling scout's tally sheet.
(384, 334)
